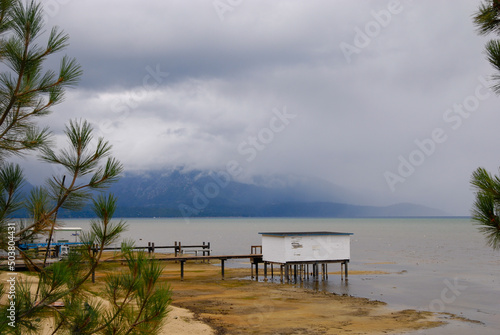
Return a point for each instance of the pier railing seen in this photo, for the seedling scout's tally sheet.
(178, 248)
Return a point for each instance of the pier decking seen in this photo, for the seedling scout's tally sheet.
(296, 270)
(289, 271)
(254, 258)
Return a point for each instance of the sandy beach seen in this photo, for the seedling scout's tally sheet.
(236, 306)
(203, 303)
(179, 320)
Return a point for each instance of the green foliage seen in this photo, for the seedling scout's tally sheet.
(83, 317)
(487, 21)
(493, 55)
(137, 303)
(11, 180)
(27, 90)
(79, 160)
(486, 208)
(105, 232)
(487, 18)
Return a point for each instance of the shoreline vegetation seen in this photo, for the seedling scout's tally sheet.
(203, 303)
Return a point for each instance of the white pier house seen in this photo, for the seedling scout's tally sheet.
(296, 252)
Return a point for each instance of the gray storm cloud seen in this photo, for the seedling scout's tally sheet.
(198, 83)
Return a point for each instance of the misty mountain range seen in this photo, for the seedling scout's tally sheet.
(180, 193)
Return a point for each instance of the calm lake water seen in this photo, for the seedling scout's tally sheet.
(436, 264)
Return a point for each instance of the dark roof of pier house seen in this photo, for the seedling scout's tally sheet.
(307, 233)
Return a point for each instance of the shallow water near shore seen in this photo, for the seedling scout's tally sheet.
(433, 264)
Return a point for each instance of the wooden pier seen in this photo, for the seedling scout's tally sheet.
(181, 250)
(289, 272)
(254, 258)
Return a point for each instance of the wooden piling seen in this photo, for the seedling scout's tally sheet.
(94, 253)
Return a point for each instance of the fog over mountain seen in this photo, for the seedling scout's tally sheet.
(195, 193)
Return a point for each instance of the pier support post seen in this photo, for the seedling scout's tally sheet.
(222, 267)
(182, 270)
(265, 271)
(94, 253)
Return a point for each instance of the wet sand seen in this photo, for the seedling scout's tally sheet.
(236, 306)
(203, 303)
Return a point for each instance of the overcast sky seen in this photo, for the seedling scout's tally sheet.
(386, 98)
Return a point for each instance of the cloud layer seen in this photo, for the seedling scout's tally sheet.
(365, 85)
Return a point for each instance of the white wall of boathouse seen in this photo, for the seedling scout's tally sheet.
(305, 247)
